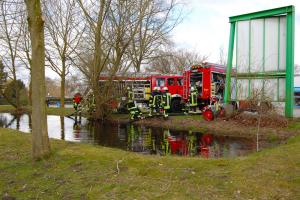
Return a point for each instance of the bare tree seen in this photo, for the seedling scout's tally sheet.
(3, 76)
(64, 31)
(112, 25)
(174, 61)
(160, 18)
(222, 56)
(40, 140)
(24, 52)
(11, 25)
(52, 87)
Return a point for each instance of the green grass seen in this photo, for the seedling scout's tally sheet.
(6, 108)
(60, 111)
(50, 111)
(81, 171)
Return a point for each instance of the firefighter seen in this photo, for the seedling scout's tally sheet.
(76, 102)
(193, 99)
(154, 100)
(129, 94)
(166, 101)
(134, 111)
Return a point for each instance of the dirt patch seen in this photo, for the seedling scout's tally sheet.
(264, 120)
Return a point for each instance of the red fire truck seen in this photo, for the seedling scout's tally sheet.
(207, 78)
(143, 86)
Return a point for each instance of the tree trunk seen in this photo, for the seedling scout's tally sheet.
(30, 89)
(62, 92)
(40, 140)
(99, 108)
(17, 95)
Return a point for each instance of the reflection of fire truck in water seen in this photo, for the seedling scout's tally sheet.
(208, 79)
(189, 145)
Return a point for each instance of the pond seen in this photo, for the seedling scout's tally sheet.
(137, 138)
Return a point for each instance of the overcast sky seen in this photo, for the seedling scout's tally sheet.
(206, 27)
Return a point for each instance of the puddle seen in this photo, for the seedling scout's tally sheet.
(139, 138)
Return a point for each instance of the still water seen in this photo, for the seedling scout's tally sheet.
(140, 139)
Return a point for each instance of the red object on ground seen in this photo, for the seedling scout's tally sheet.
(208, 115)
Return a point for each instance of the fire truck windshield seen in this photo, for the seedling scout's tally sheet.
(160, 82)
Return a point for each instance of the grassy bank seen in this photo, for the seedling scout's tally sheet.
(50, 111)
(80, 171)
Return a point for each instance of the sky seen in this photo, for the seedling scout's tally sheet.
(205, 27)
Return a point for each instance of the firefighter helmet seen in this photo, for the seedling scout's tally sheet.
(166, 89)
(157, 88)
(192, 89)
(128, 88)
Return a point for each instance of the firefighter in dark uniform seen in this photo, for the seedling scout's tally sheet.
(166, 101)
(134, 111)
(192, 101)
(155, 100)
(129, 95)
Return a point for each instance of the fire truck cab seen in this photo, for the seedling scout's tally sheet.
(175, 85)
(207, 78)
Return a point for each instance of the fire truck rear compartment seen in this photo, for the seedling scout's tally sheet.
(196, 81)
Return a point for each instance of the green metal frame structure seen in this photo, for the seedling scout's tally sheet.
(288, 74)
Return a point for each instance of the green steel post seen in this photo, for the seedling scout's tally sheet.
(289, 85)
(229, 63)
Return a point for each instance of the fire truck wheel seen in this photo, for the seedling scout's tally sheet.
(176, 106)
(208, 115)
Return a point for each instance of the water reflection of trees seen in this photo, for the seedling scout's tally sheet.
(105, 133)
(62, 127)
(3, 121)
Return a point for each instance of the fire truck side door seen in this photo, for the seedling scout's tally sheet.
(179, 86)
(171, 84)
